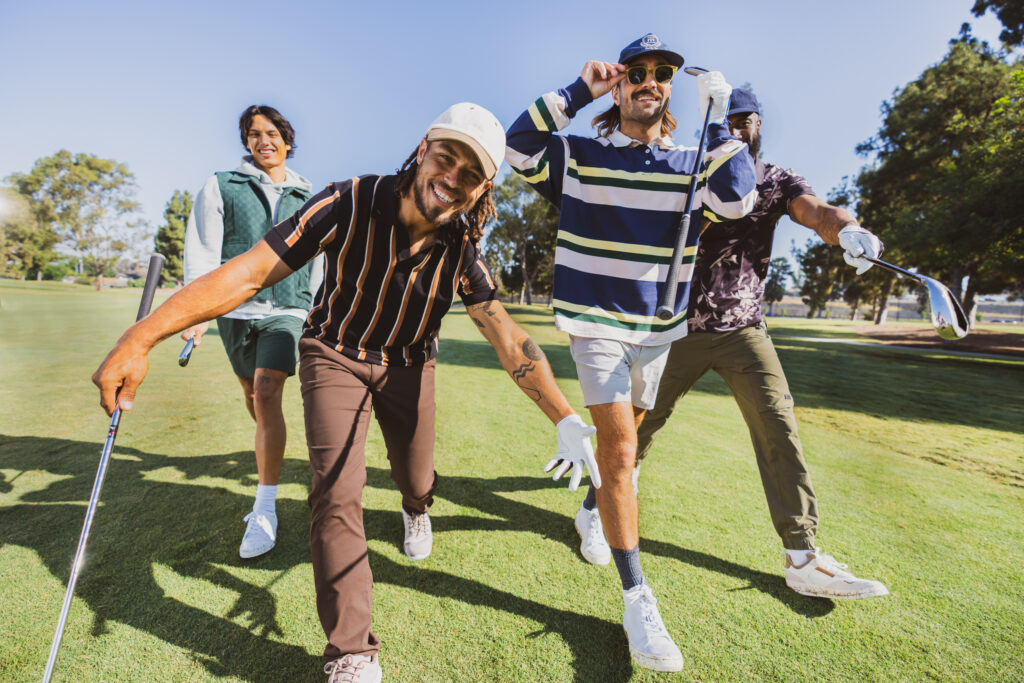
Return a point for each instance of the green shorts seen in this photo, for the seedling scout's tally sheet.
(270, 343)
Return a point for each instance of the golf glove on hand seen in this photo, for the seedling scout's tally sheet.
(859, 242)
(574, 452)
(712, 85)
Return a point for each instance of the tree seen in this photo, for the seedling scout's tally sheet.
(1010, 12)
(26, 246)
(89, 202)
(170, 237)
(822, 266)
(779, 272)
(522, 238)
(944, 189)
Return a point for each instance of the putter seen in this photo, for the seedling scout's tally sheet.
(156, 264)
(666, 307)
(186, 352)
(947, 315)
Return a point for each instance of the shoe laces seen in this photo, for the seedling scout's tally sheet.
(345, 670)
(829, 562)
(649, 613)
(418, 524)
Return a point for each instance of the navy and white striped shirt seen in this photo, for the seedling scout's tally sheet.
(379, 303)
(620, 203)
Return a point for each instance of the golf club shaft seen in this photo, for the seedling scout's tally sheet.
(156, 264)
(895, 269)
(666, 308)
(186, 352)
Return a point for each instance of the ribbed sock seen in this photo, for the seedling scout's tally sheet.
(266, 500)
(590, 502)
(798, 557)
(628, 564)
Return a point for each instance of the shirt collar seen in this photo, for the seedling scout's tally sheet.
(619, 139)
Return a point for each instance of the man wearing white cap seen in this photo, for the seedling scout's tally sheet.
(398, 249)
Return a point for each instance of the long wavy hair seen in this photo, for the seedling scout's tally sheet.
(477, 216)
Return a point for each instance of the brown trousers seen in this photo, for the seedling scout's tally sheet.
(337, 395)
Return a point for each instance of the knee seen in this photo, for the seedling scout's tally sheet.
(267, 393)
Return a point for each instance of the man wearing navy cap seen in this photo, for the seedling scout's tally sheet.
(729, 336)
(620, 197)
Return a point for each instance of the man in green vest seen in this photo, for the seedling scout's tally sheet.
(233, 212)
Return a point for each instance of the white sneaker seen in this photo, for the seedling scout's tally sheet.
(593, 546)
(649, 642)
(822, 577)
(419, 537)
(354, 669)
(260, 535)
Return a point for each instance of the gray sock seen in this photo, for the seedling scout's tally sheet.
(590, 502)
(628, 564)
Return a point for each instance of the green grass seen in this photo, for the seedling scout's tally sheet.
(917, 458)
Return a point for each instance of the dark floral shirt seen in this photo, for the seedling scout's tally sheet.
(733, 257)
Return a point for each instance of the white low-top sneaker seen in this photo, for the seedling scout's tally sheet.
(593, 545)
(419, 537)
(260, 535)
(822, 577)
(354, 669)
(649, 642)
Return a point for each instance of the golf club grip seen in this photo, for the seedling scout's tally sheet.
(666, 307)
(156, 264)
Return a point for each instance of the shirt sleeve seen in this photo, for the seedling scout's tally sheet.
(304, 234)
(730, 191)
(204, 232)
(793, 185)
(475, 283)
(533, 150)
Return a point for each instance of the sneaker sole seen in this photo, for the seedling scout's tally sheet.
(812, 593)
(416, 557)
(656, 663)
(248, 556)
(592, 559)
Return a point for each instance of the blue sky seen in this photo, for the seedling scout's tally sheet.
(160, 86)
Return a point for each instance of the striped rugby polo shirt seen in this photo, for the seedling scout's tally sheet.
(378, 303)
(620, 202)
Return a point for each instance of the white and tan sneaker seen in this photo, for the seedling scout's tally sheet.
(593, 545)
(822, 577)
(419, 536)
(650, 645)
(260, 535)
(354, 669)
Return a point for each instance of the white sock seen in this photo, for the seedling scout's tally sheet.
(266, 499)
(798, 557)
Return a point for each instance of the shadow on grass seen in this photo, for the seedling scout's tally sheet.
(194, 527)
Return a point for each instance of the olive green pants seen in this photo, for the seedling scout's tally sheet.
(747, 361)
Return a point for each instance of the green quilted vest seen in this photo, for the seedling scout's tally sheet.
(247, 218)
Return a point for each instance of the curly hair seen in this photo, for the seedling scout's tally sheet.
(477, 216)
(607, 121)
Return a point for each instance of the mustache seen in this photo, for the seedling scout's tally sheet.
(641, 93)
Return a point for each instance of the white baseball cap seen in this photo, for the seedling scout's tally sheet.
(475, 126)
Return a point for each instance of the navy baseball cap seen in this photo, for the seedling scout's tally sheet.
(743, 102)
(650, 44)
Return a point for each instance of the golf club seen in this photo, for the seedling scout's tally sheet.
(947, 315)
(156, 264)
(666, 307)
(186, 352)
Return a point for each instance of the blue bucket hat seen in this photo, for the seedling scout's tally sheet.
(743, 102)
(650, 44)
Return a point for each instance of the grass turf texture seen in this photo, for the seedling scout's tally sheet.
(918, 461)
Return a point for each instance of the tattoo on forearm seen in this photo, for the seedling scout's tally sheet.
(519, 375)
(531, 350)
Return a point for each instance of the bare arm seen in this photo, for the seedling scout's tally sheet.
(820, 216)
(213, 294)
(521, 358)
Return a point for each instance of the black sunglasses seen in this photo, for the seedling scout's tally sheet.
(663, 73)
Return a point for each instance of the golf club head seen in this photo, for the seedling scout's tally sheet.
(948, 317)
(695, 70)
(186, 352)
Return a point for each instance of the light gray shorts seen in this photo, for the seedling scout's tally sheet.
(615, 372)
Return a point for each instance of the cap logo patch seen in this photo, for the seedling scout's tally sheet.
(650, 41)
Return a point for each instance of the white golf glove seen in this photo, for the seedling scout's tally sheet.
(574, 452)
(858, 243)
(712, 85)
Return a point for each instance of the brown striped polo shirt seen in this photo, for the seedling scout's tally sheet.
(378, 303)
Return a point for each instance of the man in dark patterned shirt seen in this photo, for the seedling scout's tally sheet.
(728, 335)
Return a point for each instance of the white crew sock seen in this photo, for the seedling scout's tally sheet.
(266, 499)
(798, 557)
